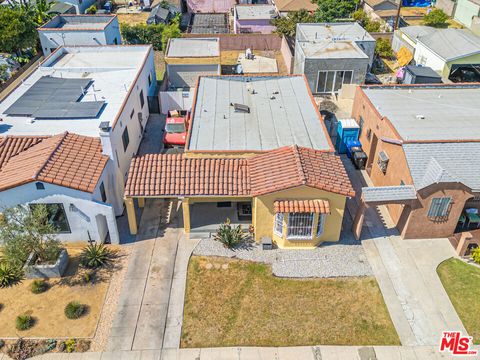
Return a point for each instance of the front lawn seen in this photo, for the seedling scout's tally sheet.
(462, 284)
(240, 303)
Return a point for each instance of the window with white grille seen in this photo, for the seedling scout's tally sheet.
(300, 226)
(439, 207)
(278, 226)
(320, 225)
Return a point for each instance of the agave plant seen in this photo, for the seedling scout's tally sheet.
(95, 256)
(230, 236)
(10, 275)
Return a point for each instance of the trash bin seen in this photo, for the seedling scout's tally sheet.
(353, 146)
(359, 159)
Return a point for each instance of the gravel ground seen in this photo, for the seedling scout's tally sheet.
(332, 260)
(99, 341)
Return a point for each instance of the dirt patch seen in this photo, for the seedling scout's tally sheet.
(48, 308)
(133, 19)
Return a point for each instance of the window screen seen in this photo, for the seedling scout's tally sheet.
(300, 225)
(278, 226)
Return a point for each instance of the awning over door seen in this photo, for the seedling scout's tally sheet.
(302, 206)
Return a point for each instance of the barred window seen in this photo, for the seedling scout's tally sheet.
(439, 207)
(278, 226)
(300, 226)
(320, 225)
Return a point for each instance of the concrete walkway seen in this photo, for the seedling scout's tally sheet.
(143, 304)
(417, 302)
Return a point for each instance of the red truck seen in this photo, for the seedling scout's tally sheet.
(176, 128)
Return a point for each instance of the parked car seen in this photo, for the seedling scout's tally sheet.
(176, 127)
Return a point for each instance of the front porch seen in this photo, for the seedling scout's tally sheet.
(207, 217)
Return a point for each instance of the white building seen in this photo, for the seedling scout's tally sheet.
(79, 90)
(74, 30)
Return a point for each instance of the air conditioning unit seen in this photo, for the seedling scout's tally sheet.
(383, 161)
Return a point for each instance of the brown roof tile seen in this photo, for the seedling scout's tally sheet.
(299, 206)
(280, 169)
(66, 159)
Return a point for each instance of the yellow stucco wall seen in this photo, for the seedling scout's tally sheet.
(264, 214)
(474, 59)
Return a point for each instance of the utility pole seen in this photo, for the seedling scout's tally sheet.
(397, 20)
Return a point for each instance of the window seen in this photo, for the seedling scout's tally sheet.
(360, 124)
(439, 207)
(142, 99)
(56, 216)
(40, 186)
(125, 139)
(332, 81)
(320, 225)
(102, 192)
(149, 79)
(383, 161)
(278, 225)
(132, 113)
(369, 134)
(224, 204)
(300, 226)
(115, 41)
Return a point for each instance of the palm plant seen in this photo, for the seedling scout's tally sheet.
(10, 275)
(95, 256)
(230, 236)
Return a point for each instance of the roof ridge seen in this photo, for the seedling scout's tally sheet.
(299, 163)
(60, 141)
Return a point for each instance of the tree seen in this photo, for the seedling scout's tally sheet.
(26, 230)
(332, 10)
(436, 18)
(18, 29)
(40, 10)
(172, 30)
(383, 48)
(4, 73)
(287, 25)
(157, 35)
(364, 20)
(373, 26)
(91, 10)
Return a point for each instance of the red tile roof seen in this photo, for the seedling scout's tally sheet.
(68, 160)
(176, 175)
(299, 206)
(294, 166)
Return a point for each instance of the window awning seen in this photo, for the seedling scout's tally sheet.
(302, 206)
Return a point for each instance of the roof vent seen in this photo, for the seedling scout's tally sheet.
(241, 108)
(420, 117)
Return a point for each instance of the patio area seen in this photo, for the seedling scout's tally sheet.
(207, 217)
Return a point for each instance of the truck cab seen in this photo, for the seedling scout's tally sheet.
(176, 127)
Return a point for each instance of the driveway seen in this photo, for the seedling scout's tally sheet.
(406, 273)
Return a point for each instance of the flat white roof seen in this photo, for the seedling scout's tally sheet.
(255, 12)
(281, 113)
(194, 47)
(111, 82)
(78, 22)
(430, 112)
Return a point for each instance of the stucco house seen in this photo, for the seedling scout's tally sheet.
(467, 12)
(254, 18)
(76, 122)
(284, 7)
(332, 54)
(428, 46)
(268, 164)
(189, 58)
(421, 142)
(75, 30)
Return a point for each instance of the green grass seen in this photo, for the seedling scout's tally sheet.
(462, 284)
(245, 305)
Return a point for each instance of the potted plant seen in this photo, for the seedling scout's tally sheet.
(29, 242)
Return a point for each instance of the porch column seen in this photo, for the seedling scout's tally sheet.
(141, 202)
(358, 221)
(186, 214)
(132, 218)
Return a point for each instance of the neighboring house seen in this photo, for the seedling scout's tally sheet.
(420, 75)
(59, 8)
(430, 47)
(189, 58)
(284, 7)
(261, 156)
(467, 12)
(210, 6)
(421, 142)
(80, 5)
(162, 15)
(75, 30)
(254, 19)
(208, 24)
(448, 6)
(333, 54)
(381, 10)
(104, 106)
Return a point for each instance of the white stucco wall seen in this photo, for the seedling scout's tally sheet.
(426, 57)
(54, 38)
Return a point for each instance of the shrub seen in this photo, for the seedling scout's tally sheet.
(230, 236)
(87, 277)
(95, 255)
(70, 345)
(476, 255)
(91, 10)
(74, 310)
(383, 48)
(10, 275)
(39, 286)
(436, 18)
(157, 35)
(2, 343)
(24, 322)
